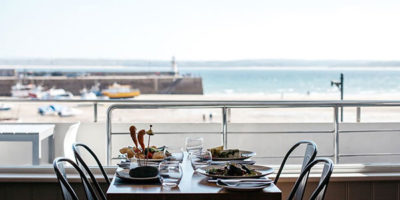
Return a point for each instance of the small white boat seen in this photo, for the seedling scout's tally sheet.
(51, 94)
(88, 95)
(20, 90)
(62, 111)
(4, 107)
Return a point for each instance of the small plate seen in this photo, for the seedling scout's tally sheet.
(124, 174)
(262, 170)
(245, 186)
(244, 155)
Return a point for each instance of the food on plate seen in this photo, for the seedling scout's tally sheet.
(132, 131)
(233, 170)
(129, 152)
(140, 150)
(219, 152)
(158, 155)
(141, 138)
(150, 132)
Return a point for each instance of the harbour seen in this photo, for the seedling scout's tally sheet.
(74, 79)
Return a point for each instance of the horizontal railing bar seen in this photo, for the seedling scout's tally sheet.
(166, 133)
(370, 154)
(266, 132)
(214, 103)
(290, 156)
(371, 131)
(232, 132)
(279, 132)
(331, 155)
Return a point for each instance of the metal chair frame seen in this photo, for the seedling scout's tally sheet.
(309, 156)
(66, 188)
(320, 190)
(82, 164)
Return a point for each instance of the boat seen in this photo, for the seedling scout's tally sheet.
(20, 90)
(92, 94)
(88, 95)
(62, 111)
(117, 91)
(51, 94)
(4, 107)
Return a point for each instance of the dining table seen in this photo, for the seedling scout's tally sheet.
(193, 186)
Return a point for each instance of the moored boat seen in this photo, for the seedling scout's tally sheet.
(20, 90)
(117, 91)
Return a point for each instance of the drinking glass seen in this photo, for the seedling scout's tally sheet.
(170, 173)
(200, 159)
(174, 153)
(194, 144)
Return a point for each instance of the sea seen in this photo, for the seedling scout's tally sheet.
(279, 80)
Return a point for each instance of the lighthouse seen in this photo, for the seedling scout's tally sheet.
(174, 66)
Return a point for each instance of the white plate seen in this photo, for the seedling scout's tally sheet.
(263, 171)
(245, 186)
(124, 174)
(244, 155)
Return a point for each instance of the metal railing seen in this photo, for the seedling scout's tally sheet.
(225, 105)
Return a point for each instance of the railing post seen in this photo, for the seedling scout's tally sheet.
(224, 128)
(358, 114)
(109, 120)
(95, 111)
(336, 134)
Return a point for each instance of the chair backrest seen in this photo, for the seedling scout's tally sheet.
(320, 190)
(66, 189)
(84, 166)
(69, 139)
(309, 156)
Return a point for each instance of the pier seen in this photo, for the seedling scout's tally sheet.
(146, 82)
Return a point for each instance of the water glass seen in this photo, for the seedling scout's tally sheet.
(170, 173)
(174, 153)
(194, 144)
(200, 159)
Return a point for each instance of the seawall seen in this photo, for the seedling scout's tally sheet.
(146, 84)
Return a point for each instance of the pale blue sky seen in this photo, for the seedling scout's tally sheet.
(200, 30)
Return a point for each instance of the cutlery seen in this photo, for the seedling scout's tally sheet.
(243, 184)
(252, 180)
(247, 162)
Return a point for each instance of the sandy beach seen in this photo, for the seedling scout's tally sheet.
(28, 112)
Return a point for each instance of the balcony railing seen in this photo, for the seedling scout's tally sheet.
(225, 106)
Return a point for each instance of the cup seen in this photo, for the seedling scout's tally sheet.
(174, 153)
(170, 173)
(194, 144)
(200, 159)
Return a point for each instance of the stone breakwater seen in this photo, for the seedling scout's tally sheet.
(147, 84)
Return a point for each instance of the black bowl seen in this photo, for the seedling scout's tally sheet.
(143, 172)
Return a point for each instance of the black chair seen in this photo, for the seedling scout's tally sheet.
(67, 190)
(320, 190)
(83, 165)
(309, 156)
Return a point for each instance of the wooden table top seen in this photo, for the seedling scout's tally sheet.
(192, 186)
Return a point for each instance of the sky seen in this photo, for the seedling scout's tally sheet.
(200, 29)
